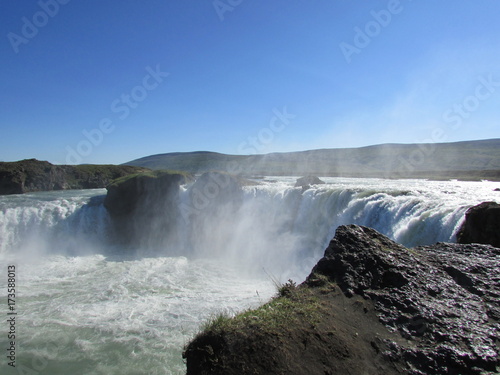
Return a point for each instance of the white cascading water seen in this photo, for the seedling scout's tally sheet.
(87, 307)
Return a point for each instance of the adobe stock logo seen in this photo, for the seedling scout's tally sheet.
(453, 117)
(223, 6)
(30, 27)
(121, 106)
(265, 136)
(462, 111)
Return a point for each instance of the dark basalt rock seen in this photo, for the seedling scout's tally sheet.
(380, 308)
(126, 195)
(144, 208)
(213, 190)
(147, 211)
(482, 225)
(444, 299)
(307, 181)
(33, 175)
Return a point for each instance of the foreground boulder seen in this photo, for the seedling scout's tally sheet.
(32, 175)
(481, 225)
(370, 306)
(445, 299)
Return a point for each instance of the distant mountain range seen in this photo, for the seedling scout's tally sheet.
(461, 160)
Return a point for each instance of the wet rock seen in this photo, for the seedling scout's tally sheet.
(144, 209)
(127, 194)
(482, 225)
(307, 181)
(444, 298)
(215, 190)
(380, 308)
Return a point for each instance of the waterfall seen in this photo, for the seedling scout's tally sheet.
(85, 298)
(69, 222)
(273, 224)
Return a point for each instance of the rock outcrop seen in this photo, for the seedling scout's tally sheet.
(144, 207)
(127, 194)
(445, 299)
(481, 225)
(147, 210)
(370, 306)
(307, 181)
(214, 191)
(33, 175)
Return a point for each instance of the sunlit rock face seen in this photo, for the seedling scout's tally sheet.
(381, 308)
(443, 298)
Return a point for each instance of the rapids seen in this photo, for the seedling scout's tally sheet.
(85, 306)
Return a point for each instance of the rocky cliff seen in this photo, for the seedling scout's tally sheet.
(144, 207)
(481, 225)
(370, 306)
(148, 212)
(33, 175)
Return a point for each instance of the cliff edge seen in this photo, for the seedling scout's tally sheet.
(481, 225)
(370, 306)
(32, 175)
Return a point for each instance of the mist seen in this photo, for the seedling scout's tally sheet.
(258, 226)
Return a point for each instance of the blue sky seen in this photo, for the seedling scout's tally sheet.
(111, 81)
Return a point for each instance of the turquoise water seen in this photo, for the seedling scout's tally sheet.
(83, 309)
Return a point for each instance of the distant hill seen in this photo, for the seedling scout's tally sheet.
(462, 160)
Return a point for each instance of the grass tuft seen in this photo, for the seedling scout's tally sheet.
(292, 305)
(147, 174)
(216, 322)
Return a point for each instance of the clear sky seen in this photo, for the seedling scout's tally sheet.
(110, 81)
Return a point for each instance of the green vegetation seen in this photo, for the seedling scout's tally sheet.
(292, 306)
(34, 175)
(287, 289)
(75, 175)
(147, 174)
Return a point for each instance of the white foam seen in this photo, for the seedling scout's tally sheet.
(146, 307)
(82, 309)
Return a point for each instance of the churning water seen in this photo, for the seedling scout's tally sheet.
(84, 306)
